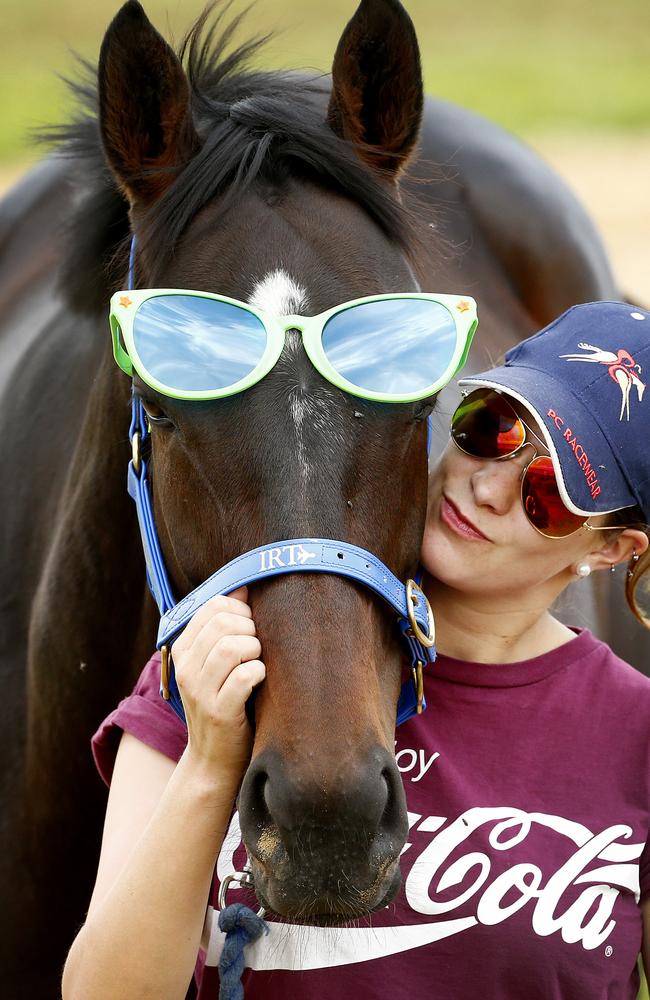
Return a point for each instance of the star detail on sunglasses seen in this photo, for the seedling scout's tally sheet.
(463, 306)
(125, 301)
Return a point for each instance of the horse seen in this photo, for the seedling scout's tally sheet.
(296, 193)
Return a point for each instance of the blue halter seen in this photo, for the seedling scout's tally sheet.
(295, 555)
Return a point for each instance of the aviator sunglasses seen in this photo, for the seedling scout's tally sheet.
(394, 348)
(486, 426)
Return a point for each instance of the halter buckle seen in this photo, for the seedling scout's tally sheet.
(245, 881)
(135, 452)
(415, 595)
(165, 661)
(418, 683)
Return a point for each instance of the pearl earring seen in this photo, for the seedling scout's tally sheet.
(635, 559)
(584, 569)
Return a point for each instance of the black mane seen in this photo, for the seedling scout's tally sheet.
(253, 125)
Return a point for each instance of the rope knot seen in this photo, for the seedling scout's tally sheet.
(241, 926)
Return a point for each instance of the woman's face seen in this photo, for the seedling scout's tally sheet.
(477, 536)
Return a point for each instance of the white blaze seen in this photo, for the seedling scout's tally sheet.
(278, 293)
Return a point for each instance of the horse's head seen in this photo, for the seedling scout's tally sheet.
(255, 187)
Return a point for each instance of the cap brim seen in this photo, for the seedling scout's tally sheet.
(589, 479)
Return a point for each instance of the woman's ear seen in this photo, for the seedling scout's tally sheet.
(619, 550)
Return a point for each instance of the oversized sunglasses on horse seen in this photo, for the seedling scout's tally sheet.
(295, 196)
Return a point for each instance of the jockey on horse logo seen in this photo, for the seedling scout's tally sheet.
(622, 368)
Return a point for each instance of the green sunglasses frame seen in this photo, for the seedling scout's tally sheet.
(125, 304)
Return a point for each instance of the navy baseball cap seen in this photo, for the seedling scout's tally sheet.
(583, 377)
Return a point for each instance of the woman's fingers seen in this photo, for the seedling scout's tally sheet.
(203, 674)
(238, 686)
(216, 605)
(228, 652)
(222, 624)
(217, 663)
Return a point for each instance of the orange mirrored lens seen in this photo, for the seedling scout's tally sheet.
(486, 426)
(542, 501)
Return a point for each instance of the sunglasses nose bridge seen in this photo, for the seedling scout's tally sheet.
(293, 323)
(521, 456)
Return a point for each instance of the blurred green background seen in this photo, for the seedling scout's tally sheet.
(570, 76)
(573, 66)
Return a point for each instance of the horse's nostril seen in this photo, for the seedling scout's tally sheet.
(394, 814)
(258, 790)
(252, 797)
(388, 786)
(264, 788)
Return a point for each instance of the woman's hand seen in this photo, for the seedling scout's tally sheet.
(217, 665)
(139, 905)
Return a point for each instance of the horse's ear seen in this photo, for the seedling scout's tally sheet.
(145, 114)
(377, 92)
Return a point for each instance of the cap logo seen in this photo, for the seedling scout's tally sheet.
(622, 368)
(582, 458)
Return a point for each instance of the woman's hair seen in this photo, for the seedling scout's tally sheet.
(637, 583)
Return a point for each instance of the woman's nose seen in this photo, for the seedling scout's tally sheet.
(497, 485)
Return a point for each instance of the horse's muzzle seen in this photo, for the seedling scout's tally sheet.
(324, 846)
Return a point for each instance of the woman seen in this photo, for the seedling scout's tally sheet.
(527, 865)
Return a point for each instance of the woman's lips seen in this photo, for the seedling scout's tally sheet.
(453, 518)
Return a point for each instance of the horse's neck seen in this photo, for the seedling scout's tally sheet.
(92, 625)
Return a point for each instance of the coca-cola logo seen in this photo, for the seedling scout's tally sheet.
(430, 876)
(449, 875)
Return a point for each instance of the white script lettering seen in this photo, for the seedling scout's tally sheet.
(407, 759)
(588, 920)
(512, 827)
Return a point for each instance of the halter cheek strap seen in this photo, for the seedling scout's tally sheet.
(297, 555)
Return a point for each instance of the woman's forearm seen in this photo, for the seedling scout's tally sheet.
(143, 938)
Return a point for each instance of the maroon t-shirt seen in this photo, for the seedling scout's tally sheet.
(529, 811)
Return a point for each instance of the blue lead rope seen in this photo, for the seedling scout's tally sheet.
(241, 926)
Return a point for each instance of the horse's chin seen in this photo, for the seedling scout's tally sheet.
(326, 909)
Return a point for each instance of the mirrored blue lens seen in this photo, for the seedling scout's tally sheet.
(194, 344)
(396, 346)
